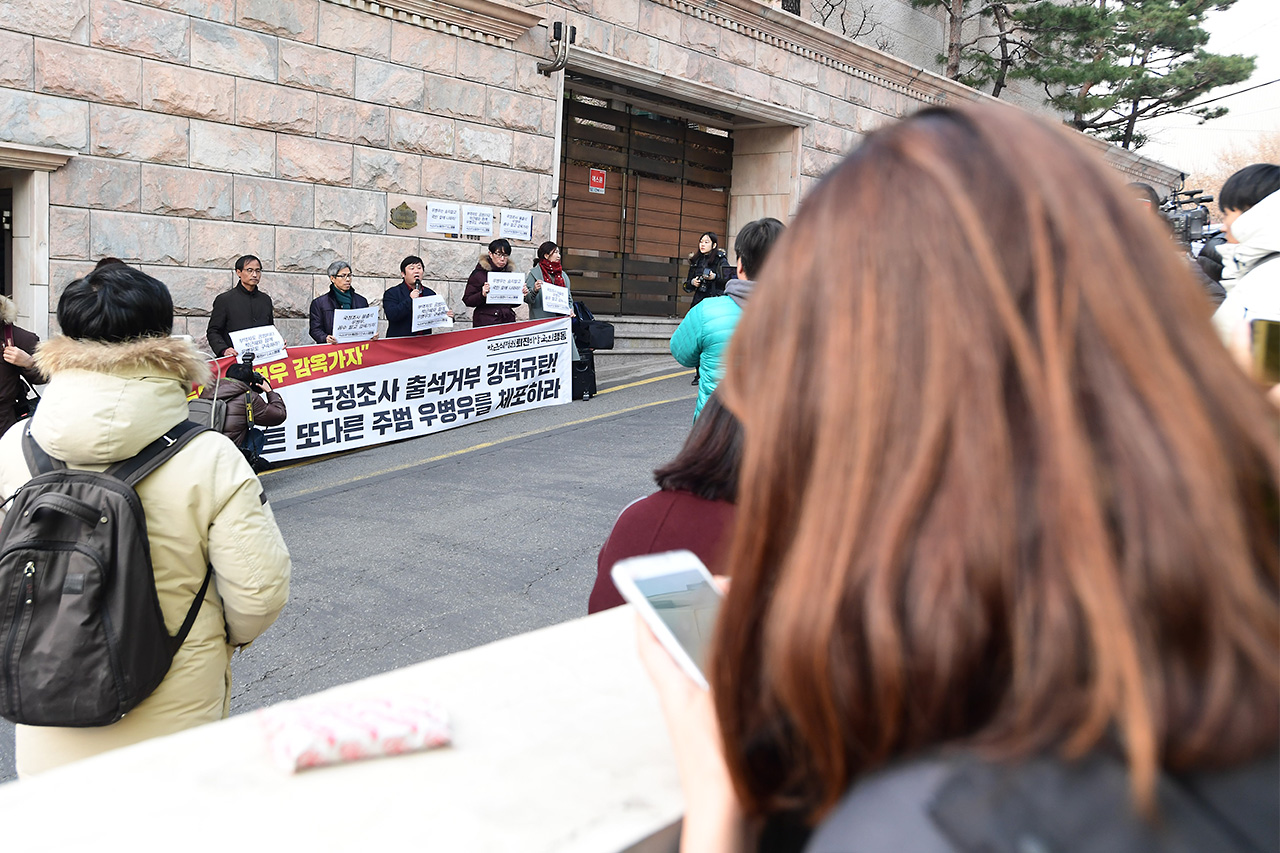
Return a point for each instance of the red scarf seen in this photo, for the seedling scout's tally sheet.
(552, 272)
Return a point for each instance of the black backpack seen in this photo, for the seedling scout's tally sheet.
(82, 634)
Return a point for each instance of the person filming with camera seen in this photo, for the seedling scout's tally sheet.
(250, 402)
(709, 269)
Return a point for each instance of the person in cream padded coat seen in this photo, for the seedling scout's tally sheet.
(117, 381)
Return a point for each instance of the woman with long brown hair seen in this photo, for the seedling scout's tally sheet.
(1006, 559)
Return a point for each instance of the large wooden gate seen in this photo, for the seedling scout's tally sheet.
(666, 181)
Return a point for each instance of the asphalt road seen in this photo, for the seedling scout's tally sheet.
(417, 549)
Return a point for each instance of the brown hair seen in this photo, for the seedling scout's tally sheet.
(707, 465)
(1006, 491)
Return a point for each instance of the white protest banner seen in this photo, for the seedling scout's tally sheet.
(429, 312)
(263, 341)
(355, 324)
(444, 218)
(357, 395)
(477, 221)
(555, 298)
(517, 224)
(505, 288)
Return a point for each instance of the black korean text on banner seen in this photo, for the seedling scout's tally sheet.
(345, 397)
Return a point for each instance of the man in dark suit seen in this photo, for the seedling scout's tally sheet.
(397, 301)
(242, 307)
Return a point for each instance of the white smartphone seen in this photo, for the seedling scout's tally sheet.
(676, 597)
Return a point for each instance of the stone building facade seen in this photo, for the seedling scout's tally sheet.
(179, 134)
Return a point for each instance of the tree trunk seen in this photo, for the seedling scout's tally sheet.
(1129, 126)
(955, 24)
(1001, 20)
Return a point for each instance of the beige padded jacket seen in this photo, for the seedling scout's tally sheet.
(104, 403)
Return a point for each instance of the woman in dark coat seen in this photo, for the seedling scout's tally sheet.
(19, 345)
(709, 269)
(476, 296)
(341, 295)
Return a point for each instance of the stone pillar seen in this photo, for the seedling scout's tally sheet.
(766, 176)
(30, 247)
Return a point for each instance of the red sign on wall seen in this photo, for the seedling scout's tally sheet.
(596, 181)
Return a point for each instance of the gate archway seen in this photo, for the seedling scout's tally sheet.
(666, 181)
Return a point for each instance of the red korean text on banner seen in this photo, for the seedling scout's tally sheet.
(596, 181)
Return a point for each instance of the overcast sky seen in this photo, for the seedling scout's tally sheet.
(1250, 27)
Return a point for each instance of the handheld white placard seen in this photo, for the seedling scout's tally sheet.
(355, 324)
(263, 341)
(505, 288)
(429, 312)
(555, 298)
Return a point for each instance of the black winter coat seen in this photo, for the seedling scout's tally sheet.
(322, 308)
(699, 265)
(11, 387)
(234, 310)
(397, 304)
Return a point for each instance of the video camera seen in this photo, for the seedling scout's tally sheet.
(247, 360)
(1187, 215)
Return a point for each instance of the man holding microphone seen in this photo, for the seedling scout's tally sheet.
(397, 301)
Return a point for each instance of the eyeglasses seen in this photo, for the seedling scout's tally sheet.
(343, 275)
(252, 270)
(499, 253)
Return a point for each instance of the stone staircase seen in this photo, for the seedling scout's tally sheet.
(637, 342)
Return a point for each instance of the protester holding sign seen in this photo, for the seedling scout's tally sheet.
(242, 307)
(548, 277)
(476, 296)
(397, 302)
(341, 296)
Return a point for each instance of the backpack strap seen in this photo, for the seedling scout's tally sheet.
(156, 453)
(177, 641)
(38, 462)
(149, 459)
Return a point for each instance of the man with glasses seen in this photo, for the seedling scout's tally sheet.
(242, 307)
(476, 296)
(397, 301)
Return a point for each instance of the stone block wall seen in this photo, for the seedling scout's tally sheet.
(206, 130)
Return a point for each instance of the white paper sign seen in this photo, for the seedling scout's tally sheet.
(444, 218)
(477, 221)
(355, 324)
(555, 298)
(517, 224)
(429, 312)
(263, 341)
(505, 288)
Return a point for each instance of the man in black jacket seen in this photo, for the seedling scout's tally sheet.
(242, 307)
(397, 301)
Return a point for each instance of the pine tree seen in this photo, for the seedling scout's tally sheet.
(1109, 64)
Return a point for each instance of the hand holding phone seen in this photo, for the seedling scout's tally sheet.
(676, 597)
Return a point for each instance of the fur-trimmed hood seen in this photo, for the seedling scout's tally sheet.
(8, 311)
(487, 265)
(174, 357)
(105, 402)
